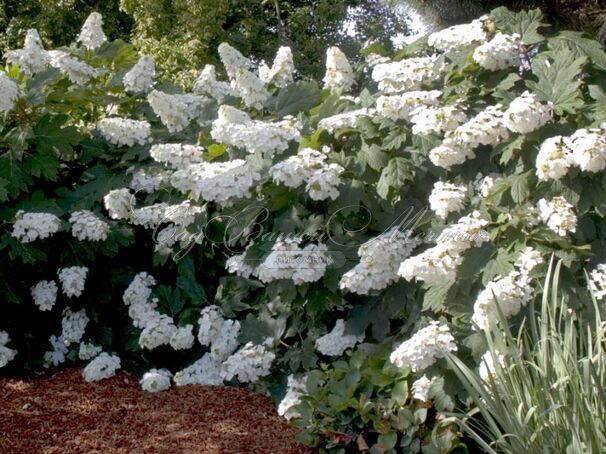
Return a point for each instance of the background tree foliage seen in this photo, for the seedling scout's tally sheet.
(58, 21)
(183, 35)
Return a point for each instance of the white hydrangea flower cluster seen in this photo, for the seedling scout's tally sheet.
(433, 266)
(339, 75)
(484, 184)
(403, 75)
(282, 71)
(421, 388)
(155, 380)
(528, 260)
(450, 153)
(141, 76)
(486, 128)
(177, 155)
(461, 37)
(295, 170)
(295, 389)
(323, 183)
(235, 128)
(597, 281)
(219, 182)
(6, 354)
(336, 342)
(44, 294)
(447, 198)
(77, 71)
(558, 214)
(509, 293)
(554, 158)
(55, 356)
(172, 111)
(467, 232)
(440, 262)
(86, 226)
(72, 280)
(157, 329)
(73, 325)
(589, 149)
(219, 334)
(427, 120)
(124, 131)
(102, 367)
(526, 114)
(183, 214)
(10, 93)
(243, 81)
(88, 351)
(400, 107)
(248, 364)
(289, 261)
(92, 36)
(232, 60)
(237, 265)
(586, 148)
(344, 120)
(424, 348)
(137, 296)
(373, 59)
(148, 180)
(211, 323)
(207, 84)
(119, 203)
(501, 52)
(183, 338)
(150, 216)
(32, 58)
(380, 258)
(30, 227)
(205, 371)
(250, 88)
(167, 237)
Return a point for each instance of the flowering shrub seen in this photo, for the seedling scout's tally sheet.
(262, 227)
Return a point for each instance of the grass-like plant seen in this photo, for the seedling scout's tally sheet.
(545, 390)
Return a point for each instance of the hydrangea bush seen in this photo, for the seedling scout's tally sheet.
(263, 226)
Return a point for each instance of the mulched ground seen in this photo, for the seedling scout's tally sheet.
(60, 413)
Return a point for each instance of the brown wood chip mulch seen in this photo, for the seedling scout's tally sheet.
(60, 413)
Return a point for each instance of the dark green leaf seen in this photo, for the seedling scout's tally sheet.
(298, 97)
(581, 47)
(524, 23)
(558, 79)
(435, 297)
(395, 175)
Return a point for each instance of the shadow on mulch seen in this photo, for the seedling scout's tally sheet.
(60, 413)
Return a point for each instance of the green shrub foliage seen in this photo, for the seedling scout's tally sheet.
(263, 226)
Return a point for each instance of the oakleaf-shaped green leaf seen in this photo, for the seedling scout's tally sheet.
(395, 175)
(435, 297)
(524, 23)
(558, 79)
(581, 46)
(295, 98)
(52, 137)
